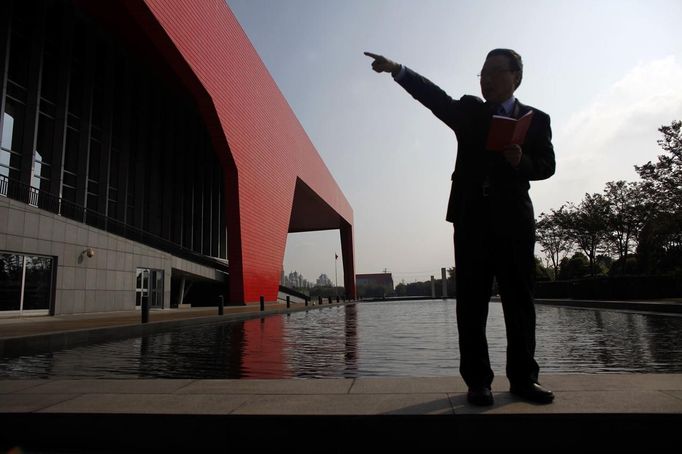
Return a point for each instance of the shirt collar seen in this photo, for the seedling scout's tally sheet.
(508, 105)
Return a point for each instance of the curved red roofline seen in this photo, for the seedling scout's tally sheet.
(269, 163)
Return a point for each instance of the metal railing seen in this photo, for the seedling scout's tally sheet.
(46, 201)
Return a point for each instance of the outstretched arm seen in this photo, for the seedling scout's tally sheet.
(421, 89)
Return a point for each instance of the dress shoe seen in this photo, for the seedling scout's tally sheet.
(533, 392)
(480, 396)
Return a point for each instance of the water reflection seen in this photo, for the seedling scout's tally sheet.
(412, 338)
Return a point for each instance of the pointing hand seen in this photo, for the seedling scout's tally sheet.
(382, 64)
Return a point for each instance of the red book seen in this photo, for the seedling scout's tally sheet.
(506, 131)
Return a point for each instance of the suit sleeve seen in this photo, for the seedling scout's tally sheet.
(432, 97)
(537, 161)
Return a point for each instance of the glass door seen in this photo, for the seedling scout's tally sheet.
(156, 288)
(149, 288)
(25, 283)
(142, 287)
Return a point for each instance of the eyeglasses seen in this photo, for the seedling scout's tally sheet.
(492, 73)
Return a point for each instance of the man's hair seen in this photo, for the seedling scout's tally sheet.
(514, 59)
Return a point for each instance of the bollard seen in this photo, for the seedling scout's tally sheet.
(145, 310)
(306, 301)
(445, 283)
(262, 303)
(288, 301)
(330, 299)
(221, 304)
(319, 301)
(337, 298)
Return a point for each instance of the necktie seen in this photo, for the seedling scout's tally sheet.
(497, 109)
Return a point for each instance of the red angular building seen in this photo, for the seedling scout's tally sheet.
(148, 153)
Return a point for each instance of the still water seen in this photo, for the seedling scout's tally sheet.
(407, 338)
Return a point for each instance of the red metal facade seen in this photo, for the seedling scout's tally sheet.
(271, 167)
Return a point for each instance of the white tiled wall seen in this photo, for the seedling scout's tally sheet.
(104, 282)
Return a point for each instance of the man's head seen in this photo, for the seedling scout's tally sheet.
(501, 75)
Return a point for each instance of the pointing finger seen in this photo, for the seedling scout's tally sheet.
(374, 56)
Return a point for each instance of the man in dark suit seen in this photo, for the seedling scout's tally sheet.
(493, 218)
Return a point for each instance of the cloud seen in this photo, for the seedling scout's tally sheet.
(618, 130)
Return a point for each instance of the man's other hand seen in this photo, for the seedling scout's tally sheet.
(382, 64)
(512, 153)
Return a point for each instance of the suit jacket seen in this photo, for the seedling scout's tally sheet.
(470, 117)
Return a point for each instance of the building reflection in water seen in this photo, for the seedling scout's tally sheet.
(351, 346)
(370, 339)
(263, 350)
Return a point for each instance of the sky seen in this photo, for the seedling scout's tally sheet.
(608, 72)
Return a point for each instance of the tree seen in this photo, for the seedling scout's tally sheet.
(629, 209)
(659, 250)
(664, 178)
(660, 243)
(553, 238)
(603, 264)
(541, 273)
(575, 267)
(324, 281)
(586, 225)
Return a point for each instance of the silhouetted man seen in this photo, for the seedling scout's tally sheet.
(493, 218)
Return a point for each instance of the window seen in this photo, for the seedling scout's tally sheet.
(10, 151)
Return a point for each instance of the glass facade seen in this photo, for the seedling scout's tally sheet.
(95, 131)
(25, 282)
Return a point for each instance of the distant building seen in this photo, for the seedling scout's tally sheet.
(324, 281)
(367, 284)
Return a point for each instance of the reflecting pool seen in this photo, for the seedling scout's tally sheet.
(405, 338)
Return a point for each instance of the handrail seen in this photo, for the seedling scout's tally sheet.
(44, 200)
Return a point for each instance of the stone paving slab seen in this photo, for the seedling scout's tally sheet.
(347, 404)
(575, 394)
(30, 403)
(306, 387)
(607, 382)
(196, 404)
(676, 393)
(578, 402)
(94, 386)
(11, 386)
(408, 385)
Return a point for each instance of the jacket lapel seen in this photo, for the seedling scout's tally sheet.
(520, 109)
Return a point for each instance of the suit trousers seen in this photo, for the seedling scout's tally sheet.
(487, 246)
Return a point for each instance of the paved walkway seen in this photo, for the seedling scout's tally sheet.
(596, 393)
(608, 410)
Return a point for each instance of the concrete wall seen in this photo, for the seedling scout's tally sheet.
(104, 282)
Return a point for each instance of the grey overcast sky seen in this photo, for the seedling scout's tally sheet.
(609, 73)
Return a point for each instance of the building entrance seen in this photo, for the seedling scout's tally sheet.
(25, 283)
(149, 288)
